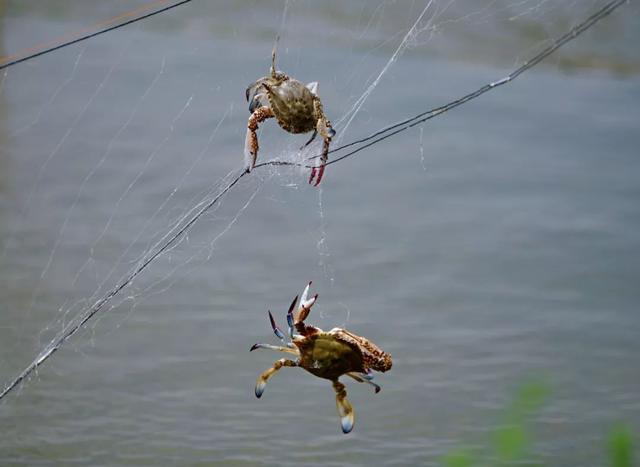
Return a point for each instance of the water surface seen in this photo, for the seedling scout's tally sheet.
(496, 244)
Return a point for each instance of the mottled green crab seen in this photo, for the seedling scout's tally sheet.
(295, 106)
(327, 355)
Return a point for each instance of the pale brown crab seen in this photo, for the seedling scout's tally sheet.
(296, 107)
(327, 355)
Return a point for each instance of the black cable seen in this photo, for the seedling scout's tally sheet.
(93, 34)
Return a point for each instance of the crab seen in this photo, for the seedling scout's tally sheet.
(295, 106)
(328, 355)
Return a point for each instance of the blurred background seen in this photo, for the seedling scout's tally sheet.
(495, 245)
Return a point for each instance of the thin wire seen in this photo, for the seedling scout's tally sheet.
(431, 113)
(370, 140)
(12, 60)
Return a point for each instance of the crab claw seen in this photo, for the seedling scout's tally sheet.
(254, 104)
(305, 293)
(317, 173)
(293, 305)
(309, 303)
(254, 88)
(277, 331)
(312, 175)
(305, 304)
(254, 347)
(290, 320)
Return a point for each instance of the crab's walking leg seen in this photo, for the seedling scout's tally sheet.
(251, 141)
(278, 348)
(264, 377)
(273, 56)
(278, 332)
(344, 407)
(313, 136)
(361, 379)
(323, 126)
(290, 321)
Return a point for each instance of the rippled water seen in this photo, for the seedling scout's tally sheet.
(497, 244)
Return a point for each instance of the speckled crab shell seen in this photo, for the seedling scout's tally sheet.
(337, 352)
(373, 357)
(292, 105)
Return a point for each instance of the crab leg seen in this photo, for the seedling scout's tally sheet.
(318, 172)
(363, 379)
(368, 375)
(251, 140)
(290, 323)
(264, 377)
(278, 332)
(323, 126)
(345, 410)
(273, 56)
(278, 348)
(313, 136)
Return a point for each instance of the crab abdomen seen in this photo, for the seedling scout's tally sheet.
(292, 105)
(327, 357)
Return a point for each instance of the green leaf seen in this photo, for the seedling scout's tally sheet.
(457, 458)
(621, 447)
(511, 443)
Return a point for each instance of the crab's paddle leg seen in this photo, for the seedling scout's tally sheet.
(277, 348)
(264, 377)
(360, 379)
(344, 407)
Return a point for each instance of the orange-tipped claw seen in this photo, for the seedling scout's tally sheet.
(312, 175)
(317, 173)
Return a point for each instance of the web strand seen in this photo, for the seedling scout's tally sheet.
(380, 135)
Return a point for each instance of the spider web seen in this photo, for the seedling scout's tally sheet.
(156, 131)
